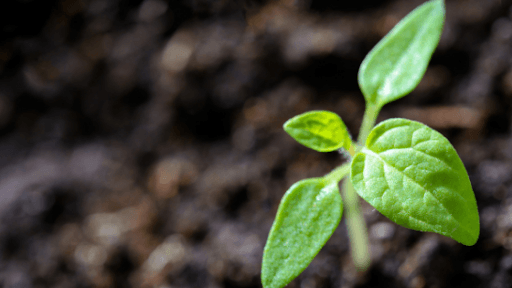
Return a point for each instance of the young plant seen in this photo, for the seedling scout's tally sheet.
(407, 171)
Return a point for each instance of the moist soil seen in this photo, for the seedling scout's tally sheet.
(141, 142)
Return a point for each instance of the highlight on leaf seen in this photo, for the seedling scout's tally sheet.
(323, 131)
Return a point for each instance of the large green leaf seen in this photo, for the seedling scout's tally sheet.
(322, 131)
(397, 63)
(307, 216)
(412, 174)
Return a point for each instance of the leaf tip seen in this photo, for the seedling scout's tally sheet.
(472, 236)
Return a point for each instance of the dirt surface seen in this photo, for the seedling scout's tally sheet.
(141, 142)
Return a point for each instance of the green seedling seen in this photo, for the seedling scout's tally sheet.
(407, 171)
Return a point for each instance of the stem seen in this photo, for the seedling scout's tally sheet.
(370, 116)
(338, 173)
(354, 219)
(356, 227)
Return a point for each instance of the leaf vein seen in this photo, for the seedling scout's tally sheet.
(412, 180)
(422, 152)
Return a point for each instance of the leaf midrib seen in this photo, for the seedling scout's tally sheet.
(370, 152)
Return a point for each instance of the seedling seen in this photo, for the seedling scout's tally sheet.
(407, 171)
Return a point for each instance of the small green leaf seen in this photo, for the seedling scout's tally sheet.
(412, 174)
(322, 131)
(307, 216)
(397, 63)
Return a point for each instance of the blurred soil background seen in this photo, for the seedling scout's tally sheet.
(141, 141)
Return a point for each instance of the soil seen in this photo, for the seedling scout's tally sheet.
(142, 144)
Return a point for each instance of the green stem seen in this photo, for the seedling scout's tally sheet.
(369, 119)
(354, 218)
(356, 227)
(338, 173)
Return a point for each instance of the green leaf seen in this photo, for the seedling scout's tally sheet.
(412, 174)
(308, 214)
(397, 63)
(322, 131)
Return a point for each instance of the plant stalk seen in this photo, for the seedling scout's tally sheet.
(337, 174)
(356, 227)
(369, 119)
(354, 219)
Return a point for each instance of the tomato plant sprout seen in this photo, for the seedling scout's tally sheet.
(407, 171)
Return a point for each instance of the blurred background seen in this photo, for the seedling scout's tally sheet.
(141, 141)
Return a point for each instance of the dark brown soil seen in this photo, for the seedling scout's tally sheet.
(141, 142)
